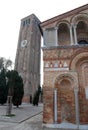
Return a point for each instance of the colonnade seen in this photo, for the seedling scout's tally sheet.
(73, 34)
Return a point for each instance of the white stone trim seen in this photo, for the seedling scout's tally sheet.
(44, 41)
(86, 92)
(76, 106)
(66, 125)
(71, 36)
(56, 69)
(56, 28)
(55, 105)
(75, 34)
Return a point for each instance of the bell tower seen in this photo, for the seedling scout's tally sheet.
(27, 61)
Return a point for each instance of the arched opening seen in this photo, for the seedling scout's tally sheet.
(66, 100)
(82, 33)
(63, 34)
(80, 64)
(65, 84)
(82, 42)
(82, 69)
(81, 25)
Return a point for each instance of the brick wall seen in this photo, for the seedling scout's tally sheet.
(65, 80)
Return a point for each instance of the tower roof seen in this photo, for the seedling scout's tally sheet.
(31, 16)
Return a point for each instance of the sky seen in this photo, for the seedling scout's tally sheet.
(12, 11)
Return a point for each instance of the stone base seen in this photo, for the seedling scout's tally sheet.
(65, 125)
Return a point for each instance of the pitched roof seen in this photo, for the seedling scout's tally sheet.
(64, 15)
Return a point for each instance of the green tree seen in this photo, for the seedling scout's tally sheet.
(8, 64)
(11, 75)
(18, 91)
(15, 85)
(3, 87)
(1, 63)
(42, 95)
(36, 96)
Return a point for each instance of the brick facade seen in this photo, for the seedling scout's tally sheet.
(27, 61)
(65, 80)
(65, 56)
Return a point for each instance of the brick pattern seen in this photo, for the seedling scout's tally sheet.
(27, 61)
(65, 82)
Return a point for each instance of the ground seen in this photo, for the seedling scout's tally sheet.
(27, 117)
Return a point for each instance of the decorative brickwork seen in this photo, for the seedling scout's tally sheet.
(65, 56)
(65, 81)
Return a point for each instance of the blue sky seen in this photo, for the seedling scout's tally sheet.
(12, 11)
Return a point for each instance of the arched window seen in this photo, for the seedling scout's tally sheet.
(63, 34)
(81, 26)
(82, 33)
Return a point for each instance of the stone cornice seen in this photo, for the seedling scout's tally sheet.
(64, 47)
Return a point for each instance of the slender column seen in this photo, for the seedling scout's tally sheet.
(75, 34)
(44, 41)
(71, 36)
(56, 34)
(76, 106)
(55, 106)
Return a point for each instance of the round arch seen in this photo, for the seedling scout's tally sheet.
(63, 33)
(80, 17)
(65, 84)
(70, 77)
(64, 22)
(78, 58)
(82, 32)
(80, 23)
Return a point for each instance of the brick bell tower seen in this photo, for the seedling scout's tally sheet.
(27, 61)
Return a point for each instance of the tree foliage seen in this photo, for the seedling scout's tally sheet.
(11, 84)
(36, 96)
(1, 63)
(15, 85)
(3, 87)
(18, 91)
(11, 76)
(5, 63)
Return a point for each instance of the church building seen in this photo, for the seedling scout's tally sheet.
(65, 59)
(65, 56)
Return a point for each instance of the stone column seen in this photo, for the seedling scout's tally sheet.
(56, 34)
(75, 34)
(55, 106)
(71, 36)
(76, 106)
(44, 41)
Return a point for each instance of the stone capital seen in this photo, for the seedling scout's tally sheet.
(76, 89)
